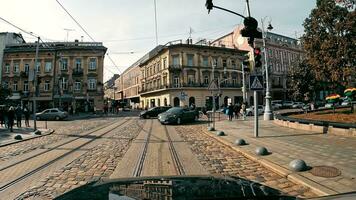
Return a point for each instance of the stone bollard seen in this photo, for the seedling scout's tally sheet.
(211, 128)
(261, 151)
(220, 133)
(298, 165)
(240, 142)
(18, 137)
(38, 132)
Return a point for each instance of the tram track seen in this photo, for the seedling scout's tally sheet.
(59, 155)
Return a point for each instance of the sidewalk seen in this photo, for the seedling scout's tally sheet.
(287, 144)
(7, 137)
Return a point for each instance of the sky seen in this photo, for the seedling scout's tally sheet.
(126, 26)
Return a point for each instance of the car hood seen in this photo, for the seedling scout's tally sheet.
(174, 187)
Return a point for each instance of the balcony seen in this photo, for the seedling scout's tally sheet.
(175, 68)
(77, 72)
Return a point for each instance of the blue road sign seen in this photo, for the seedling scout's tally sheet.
(256, 82)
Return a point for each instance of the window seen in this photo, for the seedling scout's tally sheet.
(6, 84)
(92, 84)
(190, 59)
(224, 62)
(164, 63)
(54, 111)
(64, 84)
(206, 79)
(234, 80)
(233, 64)
(175, 59)
(92, 64)
(77, 86)
(7, 68)
(14, 86)
(27, 68)
(215, 62)
(48, 66)
(64, 64)
(78, 63)
(47, 85)
(16, 68)
(176, 81)
(191, 79)
(25, 86)
(205, 61)
(38, 67)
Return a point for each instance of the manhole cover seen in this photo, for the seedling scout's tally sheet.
(325, 171)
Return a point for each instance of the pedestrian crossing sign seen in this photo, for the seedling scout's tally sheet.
(256, 82)
(213, 86)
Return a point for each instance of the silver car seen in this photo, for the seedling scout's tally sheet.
(51, 114)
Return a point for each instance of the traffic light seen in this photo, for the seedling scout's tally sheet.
(257, 53)
(209, 5)
(250, 29)
(247, 62)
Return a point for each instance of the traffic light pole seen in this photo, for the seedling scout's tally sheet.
(35, 86)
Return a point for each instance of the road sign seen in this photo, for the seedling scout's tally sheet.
(213, 86)
(256, 82)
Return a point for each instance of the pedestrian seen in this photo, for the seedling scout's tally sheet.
(2, 117)
(230, 111)
(18, 113)
(26, 112)
(243, 110)
(236, 111)
(10, 118)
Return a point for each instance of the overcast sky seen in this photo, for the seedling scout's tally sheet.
(128, 25)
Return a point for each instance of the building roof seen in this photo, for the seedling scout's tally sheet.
(178, 43)
(55, 46)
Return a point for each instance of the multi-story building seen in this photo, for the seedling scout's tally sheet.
(109, 88)
(7, 38)
(70, 74)
(179, 74)
(282, 53)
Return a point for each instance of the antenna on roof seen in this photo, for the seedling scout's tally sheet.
(68, 30)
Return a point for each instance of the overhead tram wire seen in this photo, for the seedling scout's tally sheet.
(86, 32)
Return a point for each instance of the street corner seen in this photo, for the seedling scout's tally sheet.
(21, 134)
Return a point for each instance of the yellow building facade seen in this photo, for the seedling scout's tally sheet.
(180, 74)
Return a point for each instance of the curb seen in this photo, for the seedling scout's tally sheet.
(290, 175)
(50, 131)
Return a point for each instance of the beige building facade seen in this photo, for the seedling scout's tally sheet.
(179, 75)
(70, 74)
(282, 53)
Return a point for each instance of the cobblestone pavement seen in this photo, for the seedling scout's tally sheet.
(97, 163)
(220, 159)
(62, 129)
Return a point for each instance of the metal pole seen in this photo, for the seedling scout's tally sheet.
(248, 8)
(35, 85)
(268, 115)
(255, 112)
(214, 97)
(243, 84)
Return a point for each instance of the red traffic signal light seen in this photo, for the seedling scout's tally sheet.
(257, 53)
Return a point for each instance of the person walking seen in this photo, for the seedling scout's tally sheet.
(10, 118)
(243, 111)
(18, 112)
(26, 112)
(230, 111)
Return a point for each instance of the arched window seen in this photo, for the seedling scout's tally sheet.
(176, 102)
(191, 101)
(165, 101)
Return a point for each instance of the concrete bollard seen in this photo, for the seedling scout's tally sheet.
(240, 142)
(261, 151)
(211, 128)
(298, 165)
(220, 133)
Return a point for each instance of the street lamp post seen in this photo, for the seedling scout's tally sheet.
(268, 114)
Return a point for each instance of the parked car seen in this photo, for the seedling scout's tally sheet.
(177, 115)
(153, 112)
(276, 104)
(52, 114)
(346, 102)
(297, 105)
(287, 104)
(329, 105)
(250, 111)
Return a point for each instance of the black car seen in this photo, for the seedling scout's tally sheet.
(178, 115)
(153, 112)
